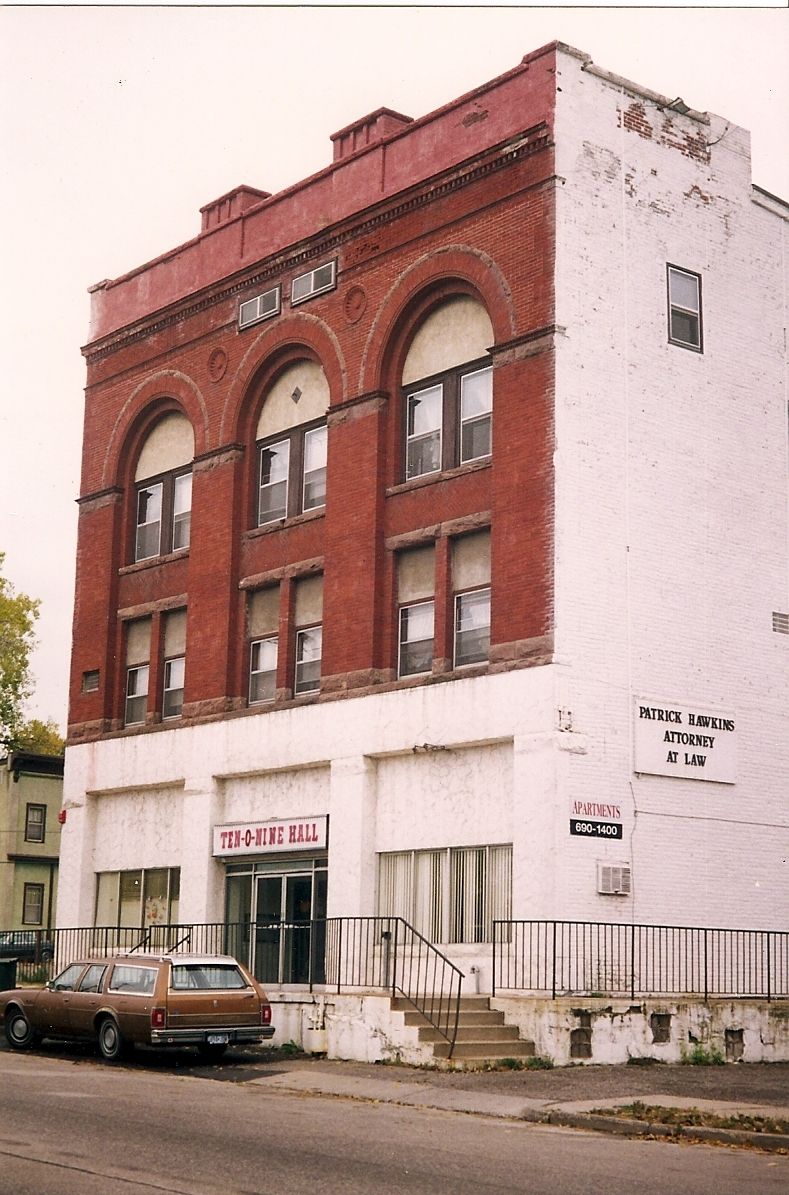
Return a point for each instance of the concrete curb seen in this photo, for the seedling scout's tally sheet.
(770, 1142)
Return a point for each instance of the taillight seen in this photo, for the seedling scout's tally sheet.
(265, 1014)
(158, 1018)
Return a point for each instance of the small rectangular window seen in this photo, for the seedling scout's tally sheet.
(149, 521)
(274, 469)
(136, 695)
(416, 639)
(33, 904)
(684, 308)
(309, 646)
(173, 688)
(315, 282)
(90, 681)
(476, 406)
(472, 627)
(423, 436)
(263, 670)
(35, 823)
(264, 306)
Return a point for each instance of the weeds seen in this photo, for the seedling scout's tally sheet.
(701, 1056)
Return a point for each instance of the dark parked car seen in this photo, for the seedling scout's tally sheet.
(28, 945)
(208, 1001)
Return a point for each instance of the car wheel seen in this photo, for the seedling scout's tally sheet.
(19, 1033)
(211, 1053)
(111, 1042)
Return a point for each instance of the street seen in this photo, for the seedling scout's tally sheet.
(72, 1125)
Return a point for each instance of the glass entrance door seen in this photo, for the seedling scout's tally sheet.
(289, 945)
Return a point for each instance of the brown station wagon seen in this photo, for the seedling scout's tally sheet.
(208, 1001)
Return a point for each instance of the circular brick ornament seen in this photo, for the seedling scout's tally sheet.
(355, 304)
(217, 364)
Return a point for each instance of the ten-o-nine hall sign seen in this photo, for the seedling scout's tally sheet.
(681, 739)
(273, 837)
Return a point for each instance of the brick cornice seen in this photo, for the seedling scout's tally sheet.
(428, 191)
(100, 498)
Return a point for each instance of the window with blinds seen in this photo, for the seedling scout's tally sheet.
(450, 895)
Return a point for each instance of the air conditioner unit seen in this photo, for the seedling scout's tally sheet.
(613, 879)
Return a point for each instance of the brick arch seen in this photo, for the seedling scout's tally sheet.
(163, 392)
(279, 344)
(452, 271)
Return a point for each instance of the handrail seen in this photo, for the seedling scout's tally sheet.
(630, 959)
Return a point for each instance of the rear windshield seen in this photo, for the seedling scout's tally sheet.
(205, 978)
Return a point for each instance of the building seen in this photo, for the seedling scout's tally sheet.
(31, 791)
(433, 537)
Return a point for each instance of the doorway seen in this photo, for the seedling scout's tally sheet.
(286, 922)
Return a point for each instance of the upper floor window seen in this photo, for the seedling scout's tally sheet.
(684, 308)
(163, 482)
(35, 823)
(308, 615)
(138, 650)
(471, 589)
(416, 614)
(448, 389)
(314, 282)
(263, 630)
(292, 443)
(174, 663)
(33, 904)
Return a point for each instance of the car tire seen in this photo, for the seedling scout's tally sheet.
(211, 1053)
(19, 1033)
(111, 1041)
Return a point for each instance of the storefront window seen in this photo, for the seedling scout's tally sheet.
(137, 899)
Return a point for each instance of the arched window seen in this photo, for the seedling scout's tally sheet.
(448, 389)
(291, 443)
(163, 483)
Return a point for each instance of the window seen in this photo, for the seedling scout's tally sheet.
(307, 617)
(472, 627)
(35, 823)
(416, 639)
(140, 980)
(136, 695)
(164, 516)
(263, 670)
(137, 899)
(202, 978)
(448, 895)
(416, 570)
(91, 980)
(315, 282)
(163, 480)
(90, 681)
(292, 474)
(33, 904)
(449, 422)
(309, 645)
(684, 308)
(173, 688)
(264, 306)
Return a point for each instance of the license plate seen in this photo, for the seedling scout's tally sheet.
(218, 1039)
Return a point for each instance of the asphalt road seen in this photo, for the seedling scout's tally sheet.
(72, 1125)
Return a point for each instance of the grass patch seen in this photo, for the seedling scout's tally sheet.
(694, 1117)
(701, 1056)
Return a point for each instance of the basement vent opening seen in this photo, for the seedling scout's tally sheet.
(780, 623)
(252, 311)
(613, 879)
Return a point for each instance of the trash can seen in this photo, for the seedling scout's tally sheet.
(7, 974)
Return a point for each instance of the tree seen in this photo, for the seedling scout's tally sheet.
(40, 738)
(18, 614)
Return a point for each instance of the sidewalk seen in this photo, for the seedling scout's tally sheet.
(580, 1096)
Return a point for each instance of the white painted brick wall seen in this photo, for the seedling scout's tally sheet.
(671, 546)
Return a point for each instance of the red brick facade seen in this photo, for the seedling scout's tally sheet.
(458, 203)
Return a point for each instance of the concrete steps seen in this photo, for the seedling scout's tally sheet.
(482, 1036)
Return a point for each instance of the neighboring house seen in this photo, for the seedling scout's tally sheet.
(31, 792)
(433, 537)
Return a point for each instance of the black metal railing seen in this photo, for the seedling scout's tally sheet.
(588, 958)
(338, 953)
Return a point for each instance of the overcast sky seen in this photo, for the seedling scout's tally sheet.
(117, 124)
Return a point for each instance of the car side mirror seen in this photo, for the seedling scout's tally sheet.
(48, 985)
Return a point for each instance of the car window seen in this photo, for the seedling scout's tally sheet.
(133, 979)
(91, 980)
(204, 977)
(67, 980)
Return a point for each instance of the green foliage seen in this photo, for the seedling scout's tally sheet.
(41, 738)
(701, 1056)
(18, 614)
(290, 1048)
(538, 1063)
